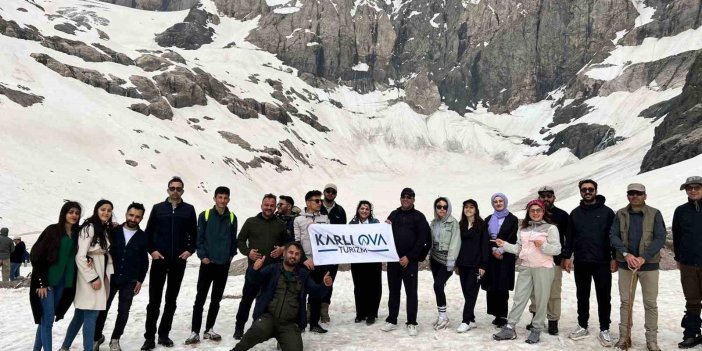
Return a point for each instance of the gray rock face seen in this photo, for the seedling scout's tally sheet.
(422, 94)
(584, 139)
(151, 63)
(679, 136)
(117, 57)
(190, 34)
(180, 88)
(173, 56)
(19, 97)
(155, 5)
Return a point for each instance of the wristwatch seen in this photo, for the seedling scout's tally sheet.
(625, 254)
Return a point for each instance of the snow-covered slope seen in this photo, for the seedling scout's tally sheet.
(75, 144)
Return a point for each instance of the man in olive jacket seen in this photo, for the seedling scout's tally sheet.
(638, 235)
(261, 235)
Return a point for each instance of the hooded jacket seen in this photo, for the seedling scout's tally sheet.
(530, 255)
(6, 245)
(588, 233)
(446, 238)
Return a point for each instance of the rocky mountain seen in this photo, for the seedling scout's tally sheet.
(282, 95)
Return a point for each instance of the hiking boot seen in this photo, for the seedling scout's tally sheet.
(358, 319)
(579, 333)
(324, 313)
(388, 327)
(165, 341)
(412, 329)
(605, 338)
(211, 335)
(370, 320)
(464, 327)
(652, 345)
(534, 335)
(552, 327)
(317, 329)
(690, 342)
(623, 343)
(98, 342)
(441, 323)
(238, 333)
(506, 333)
(194, 338)
(148, 345)
(114, 345)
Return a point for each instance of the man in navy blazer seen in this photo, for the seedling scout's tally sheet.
(130, 256)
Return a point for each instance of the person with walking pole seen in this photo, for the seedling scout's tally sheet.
(638, 234)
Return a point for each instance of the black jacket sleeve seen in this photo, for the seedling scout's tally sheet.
(422, 244)
(570, 236)
(676, 234)
(191, 232)
(484, 247)
(151, 229)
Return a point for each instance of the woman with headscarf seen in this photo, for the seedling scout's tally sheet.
(472, 260)
(367, 277)
(499, 275)
(538, 242)
(446, 243)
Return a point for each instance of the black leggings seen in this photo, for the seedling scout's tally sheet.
(441, 275)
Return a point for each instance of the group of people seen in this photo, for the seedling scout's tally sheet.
(13, 253)
(88, 264)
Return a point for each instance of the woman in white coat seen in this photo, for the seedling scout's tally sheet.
(94, 269)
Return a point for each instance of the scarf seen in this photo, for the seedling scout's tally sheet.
(494, 224)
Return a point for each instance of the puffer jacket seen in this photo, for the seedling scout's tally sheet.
(446, 239)
(530, 255)
(302, 235)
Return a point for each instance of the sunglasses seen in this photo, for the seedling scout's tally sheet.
(546, 195)
(407, 196)
(587, 190)
(174, 188)
(330, 191)
(693, 187)
(442, 207)
(635, 193)
(315, 200)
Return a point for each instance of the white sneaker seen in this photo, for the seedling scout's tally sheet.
(114, 345)
(465, 327)
(211, 335)
(194, 338)
(388, 327)
(412, 329)
(579, 333)
(441, 323)
(605, 338)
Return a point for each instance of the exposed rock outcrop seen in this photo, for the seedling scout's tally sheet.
(584, 139)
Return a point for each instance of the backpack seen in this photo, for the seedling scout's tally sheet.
(231, 216)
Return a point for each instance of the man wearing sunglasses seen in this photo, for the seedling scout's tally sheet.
(285, 213)
(172, 232)
(336, 215)
(410, 230)
(638, 234)
(587, 240)
(687, 227)
(312, 215)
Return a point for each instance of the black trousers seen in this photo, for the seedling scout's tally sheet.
(470, 284)
(248, 295)
(367, 288)
(441, 275)
(163, 271)
(585, 273)
(396, 277)
(497, 302)
(316, 302)
(215, 275)
(126, 295)
(287, 333)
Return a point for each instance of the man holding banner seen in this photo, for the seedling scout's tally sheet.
(410, 231)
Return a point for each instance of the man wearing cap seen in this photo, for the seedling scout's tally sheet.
(17, 257)
(687, 228)
(336, 215)
(560, 219)
(410, 230)
(638, 235)
(6, 247)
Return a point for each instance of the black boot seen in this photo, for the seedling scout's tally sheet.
(531, 325)
(690, 342)
(691, 330)
(553, 327)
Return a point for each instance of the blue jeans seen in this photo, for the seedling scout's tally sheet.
(14, 270)
(48, 307)
(86, 319)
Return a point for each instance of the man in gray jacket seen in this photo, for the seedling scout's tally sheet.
(6, 248)
(638, 235)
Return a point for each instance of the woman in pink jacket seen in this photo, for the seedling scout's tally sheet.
(537, 243)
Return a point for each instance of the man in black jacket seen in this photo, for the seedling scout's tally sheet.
(336, 215)
(172, 232)
(130, 257)
(687, 228)
(588, 240)
(560, 219)
(280, 308)
(410, 231)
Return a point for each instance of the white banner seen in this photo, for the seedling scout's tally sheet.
(352, 243)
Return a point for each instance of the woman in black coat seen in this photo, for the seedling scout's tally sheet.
(54, 273)
(499, 276)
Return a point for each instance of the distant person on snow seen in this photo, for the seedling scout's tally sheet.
(280, 308)
(538, 241)
(6, 248)
(687, 227)
(638, 234)
(18, 256)
(446, 243)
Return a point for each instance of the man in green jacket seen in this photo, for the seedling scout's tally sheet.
(261, 235)
(216, 246)
(638, 234)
